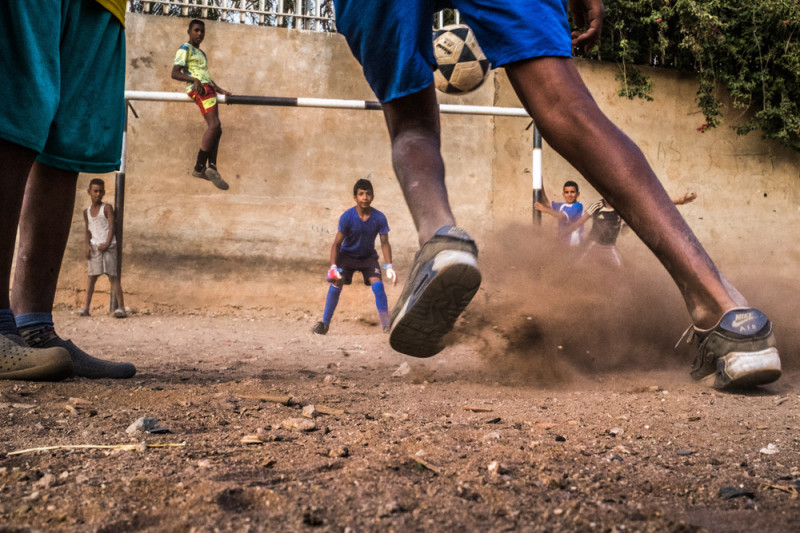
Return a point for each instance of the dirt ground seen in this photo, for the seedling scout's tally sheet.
(561, 405)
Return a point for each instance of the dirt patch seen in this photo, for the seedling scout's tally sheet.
(560, 405)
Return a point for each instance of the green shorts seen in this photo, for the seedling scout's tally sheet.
(63, 89)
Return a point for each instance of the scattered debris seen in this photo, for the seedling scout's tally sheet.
(299, 424)
(726, 493)
(425, 465)
(477, 409)
(771, 449)
(789, 489)
(285, 400)
(321, 409)
(98, 447)
(341, 451)
(309, 411)
(402, 370)
(145, 424)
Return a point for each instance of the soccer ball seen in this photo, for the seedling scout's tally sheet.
(462, 67)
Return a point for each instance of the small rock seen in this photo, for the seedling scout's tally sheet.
(616, 431)
(309, 411)
(559, 438)
(80, 479)
(771, 449)
(491, 435)
(299, 424)
(341, 451)
(402, 370)
(145, 424)
(204, 463)
(46, 481)
(685, 453)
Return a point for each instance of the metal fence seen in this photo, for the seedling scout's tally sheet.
(314, 15)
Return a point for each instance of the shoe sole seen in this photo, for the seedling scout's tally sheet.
(418, 331)
(57, 370)
(746, 369)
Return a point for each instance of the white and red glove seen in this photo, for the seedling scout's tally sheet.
(391, 275)
(334, 274)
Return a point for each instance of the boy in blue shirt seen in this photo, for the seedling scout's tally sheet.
(567, 212)
(354, 250)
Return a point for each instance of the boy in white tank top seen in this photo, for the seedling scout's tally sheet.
(101, 247)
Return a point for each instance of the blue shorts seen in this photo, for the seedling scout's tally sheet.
(63, 82)
(393, 39)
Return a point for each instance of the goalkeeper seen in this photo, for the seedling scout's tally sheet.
(354, 250)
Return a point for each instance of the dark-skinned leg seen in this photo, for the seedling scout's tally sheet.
(445, 275)
(414, 130)
(211, 144)
(17, 361)
(44, 227)
(736, 345)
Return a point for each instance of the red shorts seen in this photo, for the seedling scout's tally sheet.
(206, 102)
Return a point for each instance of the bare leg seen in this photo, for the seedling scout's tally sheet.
(116, 287)
(43, 229)
(90, 291)
(213, 131)
(17, 162)
(553, 92)
(413, 123)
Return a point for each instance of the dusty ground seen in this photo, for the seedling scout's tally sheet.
(556, 408)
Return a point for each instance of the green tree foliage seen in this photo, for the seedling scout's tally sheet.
(749, 47)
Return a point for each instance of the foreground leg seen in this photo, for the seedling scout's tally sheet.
(17, 360)
(210, 145)
(44, 228)
(552, 91)
(116, 288)
(445, 275)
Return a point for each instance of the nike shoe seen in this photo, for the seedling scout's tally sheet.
(738, 352)
(18, 361)
(84, 364)
(442, 281)
(320, 328)
(200, 173)
(215, 177)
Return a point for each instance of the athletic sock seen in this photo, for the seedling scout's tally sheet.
(212, 154)
(202, 158)
(7, 324)
(381, 303)
(331, 301)
(33, 320)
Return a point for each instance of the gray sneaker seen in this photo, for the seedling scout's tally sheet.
(18, 361)
(442, 281)
(84, 364)
(215, 177)
(738, 352)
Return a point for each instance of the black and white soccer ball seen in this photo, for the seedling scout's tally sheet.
(462, 67)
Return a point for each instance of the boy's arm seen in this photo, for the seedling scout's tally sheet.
(179, 73)
(109, 212)
(587, 214)
(88, 235)
(337, 243)
(219, 89)
(545, 208)
(386, 248)
(685, 199)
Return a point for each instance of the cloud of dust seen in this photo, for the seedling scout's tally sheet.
(545, 316)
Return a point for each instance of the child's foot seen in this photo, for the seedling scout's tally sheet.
(18, 361)
(84, 312)
(738, 352)
(84, 364)
(199, 173)
(320, 328)
(442, 281)
(213, 174)
(120, 313)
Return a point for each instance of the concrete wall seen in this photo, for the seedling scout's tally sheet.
(291, 170)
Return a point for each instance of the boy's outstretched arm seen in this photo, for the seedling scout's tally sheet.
(219, 89)
(685, 198)
(386, 248)
(587, 214)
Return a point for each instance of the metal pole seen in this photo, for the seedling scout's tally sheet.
(119, 205)
(536, 172)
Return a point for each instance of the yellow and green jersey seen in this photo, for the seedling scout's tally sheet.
(195, 62)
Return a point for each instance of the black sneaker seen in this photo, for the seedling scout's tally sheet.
(19, 361)
(738, 352)
(442, 281)
(320, 328)
(84, 364)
